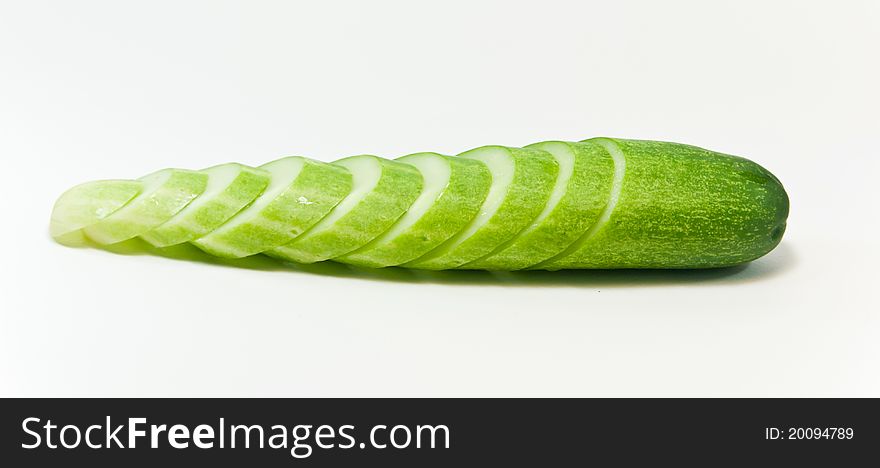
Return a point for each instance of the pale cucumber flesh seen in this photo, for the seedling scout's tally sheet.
(86, 204)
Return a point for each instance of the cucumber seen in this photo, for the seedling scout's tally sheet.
(522, 180)
(579, 195)
(164, 194)
(679, 206)
(382, 191)
(601, 203)
(86, 204)
(454, 190)
(299, 194)
(230, 188)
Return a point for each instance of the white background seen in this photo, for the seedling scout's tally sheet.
(93, 90)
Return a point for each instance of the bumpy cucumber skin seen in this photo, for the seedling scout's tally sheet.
(398, 186)
(245, 188)
(142, 215)
(458, 203)
(534, 174)
(86, 204)
(685, 207)
(578, 209)
(316, 190)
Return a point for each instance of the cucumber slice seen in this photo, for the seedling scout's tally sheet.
(582, 245)
(679, 206)
(164, 194)
(86, 204)
(581, 191)
(522, 180)
(453, 191)
(382, 191)
(300, 192)
(230, 188)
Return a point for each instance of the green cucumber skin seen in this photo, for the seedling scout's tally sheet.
(534, 174)
(585, 197)
(136, 218)
(452, 210)
(244, 189)
(322, 185)
(685, 207)
(398, 186)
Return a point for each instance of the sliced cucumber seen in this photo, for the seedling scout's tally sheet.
(454, 189)
(382, 191)
(582, 244)
(86, 204)
(581, 191)
(522, 181)
(230, 188)
(164, 194)
(603, 203)
(300, 192)
(679, 206)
